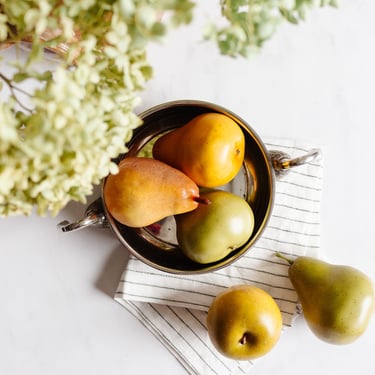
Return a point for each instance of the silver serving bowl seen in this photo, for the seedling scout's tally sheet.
(157, 245)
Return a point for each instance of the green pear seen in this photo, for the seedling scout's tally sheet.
(212, 231)
(337, 300)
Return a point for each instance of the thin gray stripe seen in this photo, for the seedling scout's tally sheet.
(194, 333)
(217, 284)
(299, 197)
(296, 208)
(163, 299)
(251, 257)
(203, 306)
(212, 295)
(184, 339)
(171, 276)
(309, 175)
(191, 312)
(294, 148)
(272, 250)
(293, 231)
(254, 281)
(159, 299)
(120, 295)
(290, 302)
(165, 287)
(262, 271)
(295, 220)
(155, 327)
(291, 243)
(285, 182)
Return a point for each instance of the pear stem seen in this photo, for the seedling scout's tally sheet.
(284, 258)
(201, 200)
(243, 339)
(248, 337)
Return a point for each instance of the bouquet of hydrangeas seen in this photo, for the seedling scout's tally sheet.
(63, 141)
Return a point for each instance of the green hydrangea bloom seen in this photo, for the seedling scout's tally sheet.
(62, 141)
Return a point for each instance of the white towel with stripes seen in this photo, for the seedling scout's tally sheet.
(174, 307)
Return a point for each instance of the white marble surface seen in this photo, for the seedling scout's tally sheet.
(315, 81)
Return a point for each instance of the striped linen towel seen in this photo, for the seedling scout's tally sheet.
(174, 307)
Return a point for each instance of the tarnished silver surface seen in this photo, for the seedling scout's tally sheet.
(282, 162)
(94, 216)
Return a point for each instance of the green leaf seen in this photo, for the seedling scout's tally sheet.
(289, 16)
(20, 77)
(158, 29)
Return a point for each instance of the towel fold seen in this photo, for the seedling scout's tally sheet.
(174, 307)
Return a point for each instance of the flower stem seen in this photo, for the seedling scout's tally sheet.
(13, 90)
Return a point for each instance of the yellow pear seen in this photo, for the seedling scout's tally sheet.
(209, 149)
(244, 322)
(145, 191)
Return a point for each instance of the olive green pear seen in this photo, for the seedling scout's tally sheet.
(337, 300)
(212, 231)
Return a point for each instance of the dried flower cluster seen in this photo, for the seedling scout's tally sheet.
(62, 143)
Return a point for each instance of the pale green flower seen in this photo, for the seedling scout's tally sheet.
(3, 27)
(63, 141)
(258, 20)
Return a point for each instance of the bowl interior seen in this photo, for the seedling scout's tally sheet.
(157, 245)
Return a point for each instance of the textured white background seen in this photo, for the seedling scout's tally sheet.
(312, 82)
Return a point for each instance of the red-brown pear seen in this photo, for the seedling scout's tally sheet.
(146, 190)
